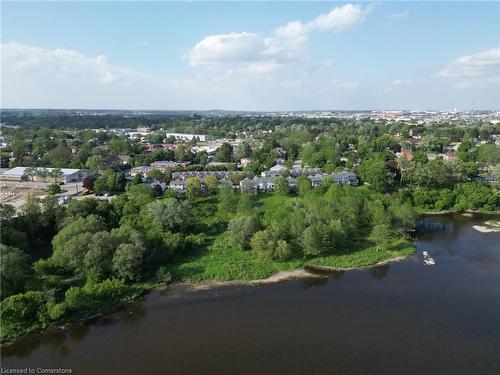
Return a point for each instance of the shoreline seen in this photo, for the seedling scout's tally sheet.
(306, 271)
(467, 213)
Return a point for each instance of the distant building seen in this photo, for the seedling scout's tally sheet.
(266, 183)
(164, 164)
(189, 137)
(67, 175)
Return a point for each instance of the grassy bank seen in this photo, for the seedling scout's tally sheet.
(228, 265)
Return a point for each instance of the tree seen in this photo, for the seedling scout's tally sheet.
(97, 260)
(72, 242)
(100, 184)
(376, 173)
(14, 270)
(303, 185)
(137, 179)
(116, 182)
(240, 230)
(168, 214)
(316, 240)
(381, 235)
(283, 251)
(53, 189)
(263, 244)
(56, 174)
(224, 153)
(88, 182)
(157, 191)
(211, 184)
(228, 199)
(22, 311)
(404, 216)
(193, 187)
(127, 261)
(281, 185)
(94, 162)
(243, 151)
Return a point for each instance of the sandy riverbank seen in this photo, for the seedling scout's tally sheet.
(308, 271)
(490, 226)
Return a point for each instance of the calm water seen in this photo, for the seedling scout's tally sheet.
(405, 318)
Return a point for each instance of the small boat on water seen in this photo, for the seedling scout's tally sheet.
(428, 260)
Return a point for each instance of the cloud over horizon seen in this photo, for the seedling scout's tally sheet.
(287, 43)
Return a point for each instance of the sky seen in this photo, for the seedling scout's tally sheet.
(258, 56)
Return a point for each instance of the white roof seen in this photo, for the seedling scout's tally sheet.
(19, 171)
(277, 168)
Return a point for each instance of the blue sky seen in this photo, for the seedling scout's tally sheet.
(251, 55)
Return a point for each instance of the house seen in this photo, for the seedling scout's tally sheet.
(277, 170)
(225, 182)
(141, 170)
(163, 185)
(450, 156)
(346, 177)
(264, 184)
(248, 186)
(295, 172)
(164, 164)
(165, 146)
(292, 182)
(316, 179)
(487, 179)
(407, 154)
(202, 174)
(178, 184)
(113, 160)
(67, 174)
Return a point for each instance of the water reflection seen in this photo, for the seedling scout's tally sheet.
(379, 272)
(56, 338)
(418, 313)
(133, 314)
(309, 282)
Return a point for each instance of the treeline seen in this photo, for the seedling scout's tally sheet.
(325, 220)
(98, 250)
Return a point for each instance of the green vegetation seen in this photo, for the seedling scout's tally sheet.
(68, 262)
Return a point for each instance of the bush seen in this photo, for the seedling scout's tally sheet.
(23, 313)
(53, 189)
(163, 275)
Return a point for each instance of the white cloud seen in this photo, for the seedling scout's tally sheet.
(19, 59)
(478, 70)
(397, 16)
(61, 78)
(287, 42)
(216, 49)
(339, 18)
(345, 84)
(399, 82)
(108, 77)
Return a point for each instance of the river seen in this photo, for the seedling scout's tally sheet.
(402, 318)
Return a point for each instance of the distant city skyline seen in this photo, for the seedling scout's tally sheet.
(259, 56)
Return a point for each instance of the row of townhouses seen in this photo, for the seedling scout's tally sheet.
(265, 183)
